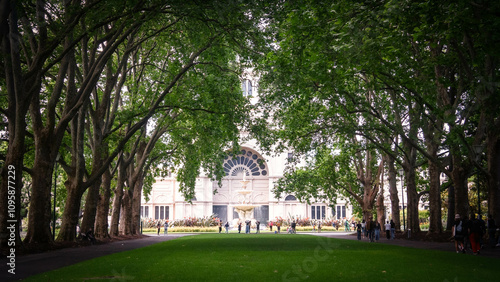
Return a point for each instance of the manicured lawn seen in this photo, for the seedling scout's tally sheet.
(270, 257)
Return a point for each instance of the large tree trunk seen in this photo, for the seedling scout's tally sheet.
(114, 229)
(393, 192)
(71, 213)
(435, 225)
(136, 204)
(90, 211)
(381, 209)
(101, 230)
(460, 184)
(409, 164)
(412, 208)
(116, 209)
(126, 214)
(39, 209)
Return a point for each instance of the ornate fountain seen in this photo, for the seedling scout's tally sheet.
(244, 208)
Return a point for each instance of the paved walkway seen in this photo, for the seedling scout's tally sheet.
(29, 265)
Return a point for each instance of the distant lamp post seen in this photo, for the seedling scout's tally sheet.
(401, 171)
(478, 149)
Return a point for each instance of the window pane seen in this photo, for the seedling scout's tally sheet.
(323, 212)
(146, 212)
(343, 211)
(339, 213)
(313, 212)
(162, 209)
(167, 214)
(157, 212)
(318, 213)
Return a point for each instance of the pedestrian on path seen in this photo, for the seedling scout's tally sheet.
(227, 227)
(358, 230)
(165, 227)
(247, 230)
(476, 233)
(370, 226)
(378, 227)
(387, 228)
(159, 227)
(458, 230)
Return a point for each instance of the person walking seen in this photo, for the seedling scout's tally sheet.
(378, 227)
(370, 225)
(159, 227)
(393, 230)
(387, 228)
(278, 225)
(476, 233)
(220, 226)
(294, 225)
(319, 226)
(165, 227)
(247, 230)
(358, 230)
(239, 227)
(258, 227)
(227, 227)
(271, 226)
(458, 230)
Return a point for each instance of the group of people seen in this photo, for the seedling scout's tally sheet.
(371, 229)
(248, 224)
(165, 227)
(314, 223)
(469, 233)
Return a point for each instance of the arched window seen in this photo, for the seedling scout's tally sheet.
(290, 198)
(246, 87)
(245, 161)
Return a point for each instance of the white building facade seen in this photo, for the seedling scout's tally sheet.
(166, 202)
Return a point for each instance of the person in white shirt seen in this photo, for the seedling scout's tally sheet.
(387, 227)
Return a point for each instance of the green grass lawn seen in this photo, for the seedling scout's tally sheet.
(269, 257)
